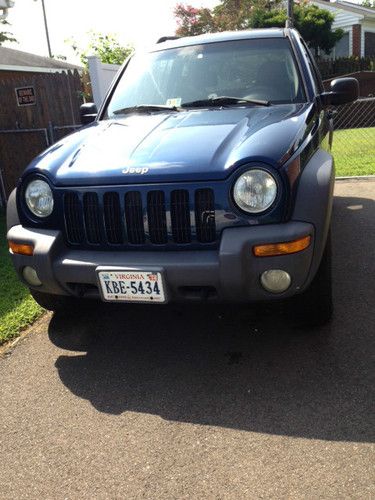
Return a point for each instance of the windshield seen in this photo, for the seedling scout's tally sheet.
(258, 69)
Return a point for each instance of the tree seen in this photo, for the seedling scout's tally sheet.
(5, 36)
(192, 21)
(228, 15)
(105, 46)
(369, 4)
(236, 14)
(314, 24)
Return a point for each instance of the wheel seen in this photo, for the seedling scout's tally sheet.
(314, 307)
(55, 302)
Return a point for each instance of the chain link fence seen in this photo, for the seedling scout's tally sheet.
(354, 138)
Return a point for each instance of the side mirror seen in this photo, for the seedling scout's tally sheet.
(343, 90)
(88, 112)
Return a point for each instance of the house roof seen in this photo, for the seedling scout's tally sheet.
(363, 12)
(12, 57)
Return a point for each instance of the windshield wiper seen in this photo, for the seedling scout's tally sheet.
(224, 101)
(213, 101)
(145, 108)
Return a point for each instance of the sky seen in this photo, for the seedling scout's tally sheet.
(138, 22)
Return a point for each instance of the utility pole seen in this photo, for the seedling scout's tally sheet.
(4, 6)
(46, 28)
(289, 14)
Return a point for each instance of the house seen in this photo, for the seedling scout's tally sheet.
(17, 62)
(358, 24)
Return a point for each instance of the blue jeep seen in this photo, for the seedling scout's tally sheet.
(205, 176)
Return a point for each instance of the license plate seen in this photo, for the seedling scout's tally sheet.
(131, 286)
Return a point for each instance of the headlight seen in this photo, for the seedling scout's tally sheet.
(255, 191)
(39, 198)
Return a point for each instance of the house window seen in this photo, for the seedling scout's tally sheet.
(369, 44)
(342, 46)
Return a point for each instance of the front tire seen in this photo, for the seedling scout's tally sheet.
(314, 307)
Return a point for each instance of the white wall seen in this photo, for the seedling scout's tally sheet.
(101, 76)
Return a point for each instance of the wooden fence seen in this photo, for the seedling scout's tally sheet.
(330, 68)
(57, 99)
(17, 151)
(43, 110)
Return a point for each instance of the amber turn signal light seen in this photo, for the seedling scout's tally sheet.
(21, 248)
(285, 248)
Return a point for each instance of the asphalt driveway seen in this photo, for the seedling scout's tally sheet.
(200, 403)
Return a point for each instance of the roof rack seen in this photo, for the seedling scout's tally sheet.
(166, 38)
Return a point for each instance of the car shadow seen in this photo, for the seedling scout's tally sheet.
(237, 367)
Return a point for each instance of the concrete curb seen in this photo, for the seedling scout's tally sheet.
(7, 348)
(357, 178)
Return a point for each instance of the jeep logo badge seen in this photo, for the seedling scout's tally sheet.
(131, 170)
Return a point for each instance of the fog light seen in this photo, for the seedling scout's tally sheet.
(30, 275)
(275, 280)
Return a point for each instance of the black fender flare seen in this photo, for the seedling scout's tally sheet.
(12, 212)
(314, 201)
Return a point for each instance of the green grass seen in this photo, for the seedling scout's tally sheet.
(17, 307)
(354, 151)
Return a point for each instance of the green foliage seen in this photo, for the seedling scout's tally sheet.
(370, 4)
(237, 14)
(192, 21)
(314, 24)
(17, 308)
(5, 36)
(105, 46)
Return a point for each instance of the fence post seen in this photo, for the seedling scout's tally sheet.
(50, 134)
(96, 81)
(3, 198)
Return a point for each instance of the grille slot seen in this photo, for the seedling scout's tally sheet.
(134, 218)
(112, 218)
(205, 215)
(91, 217)
(180, 216)
(157, 222)
(73, 219)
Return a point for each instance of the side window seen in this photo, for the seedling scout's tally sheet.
(313, 68)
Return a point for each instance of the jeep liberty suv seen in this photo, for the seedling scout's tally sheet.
(206, 175)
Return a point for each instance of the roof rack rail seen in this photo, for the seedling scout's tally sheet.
(166, 38)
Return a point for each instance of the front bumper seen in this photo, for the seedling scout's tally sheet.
(231, 273)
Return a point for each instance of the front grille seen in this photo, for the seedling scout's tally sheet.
(154, 218)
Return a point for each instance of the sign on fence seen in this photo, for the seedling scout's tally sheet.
(25, 96)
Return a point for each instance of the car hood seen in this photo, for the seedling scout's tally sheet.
(165, 147)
